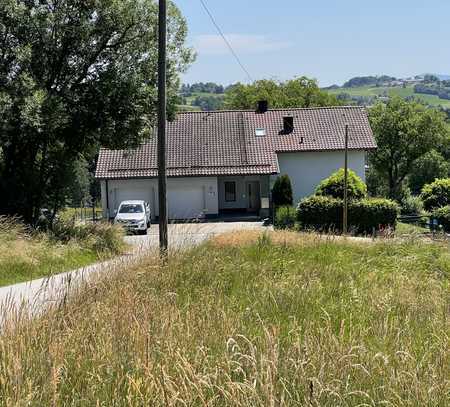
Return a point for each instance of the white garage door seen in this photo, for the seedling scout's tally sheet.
(185, 202)
(131, 194)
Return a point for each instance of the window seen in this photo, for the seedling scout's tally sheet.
(131, 208)
(230, 191)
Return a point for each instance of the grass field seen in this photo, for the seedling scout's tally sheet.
(26, 255)
(392, 91)
(246, 320)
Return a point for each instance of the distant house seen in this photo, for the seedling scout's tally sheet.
(226, 161)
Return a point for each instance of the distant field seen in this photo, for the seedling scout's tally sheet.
(391, 91)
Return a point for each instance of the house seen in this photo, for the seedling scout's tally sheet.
(226, 161)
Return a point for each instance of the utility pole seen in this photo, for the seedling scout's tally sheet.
(345, 217)
(162, 103)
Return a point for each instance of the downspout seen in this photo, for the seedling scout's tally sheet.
(107, 200)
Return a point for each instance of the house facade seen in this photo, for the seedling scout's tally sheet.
(226, 161)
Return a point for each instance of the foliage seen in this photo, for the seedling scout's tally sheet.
(75, 75)
(334, 185)
(299, 92)
(79, 184)
(426, 169)
(285, 217)
(364, 216)
(368, 81)
(411, 205)
(282, 191)
(200, 87)
(208, 103)
(442, 215)
(271, 321)
(27, 255)
(437, 194)
(404, 131)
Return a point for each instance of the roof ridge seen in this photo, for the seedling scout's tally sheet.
(273, 110)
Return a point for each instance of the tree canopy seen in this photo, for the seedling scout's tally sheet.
(75, 75)
(299, 92)
(404, 131)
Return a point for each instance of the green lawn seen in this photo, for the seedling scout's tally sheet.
(248, 319)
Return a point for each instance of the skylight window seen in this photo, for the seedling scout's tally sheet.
(260, 132)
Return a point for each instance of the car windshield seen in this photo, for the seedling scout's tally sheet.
(131, 208)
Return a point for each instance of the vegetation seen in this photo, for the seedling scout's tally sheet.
(426, 169)
(285, 217)
(368, 81)
(74, 75)
(405, 132)
(442, 215)
(26, 255)
(282, 191)
(334, 186)
(436, 195)
(365, 216)
(246, 320)
(299, 92)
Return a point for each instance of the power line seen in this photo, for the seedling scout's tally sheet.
(225, 40)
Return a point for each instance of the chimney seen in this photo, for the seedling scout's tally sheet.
(263, 106)
(288, 124)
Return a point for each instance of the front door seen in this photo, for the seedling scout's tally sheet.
(253, 196)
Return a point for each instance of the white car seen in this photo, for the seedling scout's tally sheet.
(134, 216)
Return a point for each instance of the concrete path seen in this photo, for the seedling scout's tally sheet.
(33, 296)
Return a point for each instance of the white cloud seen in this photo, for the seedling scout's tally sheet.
(210, 44)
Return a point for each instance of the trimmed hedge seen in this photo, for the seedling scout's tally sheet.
(285, 217)
(325, 214)
(334, 186)
(437, 194)
(442, 215)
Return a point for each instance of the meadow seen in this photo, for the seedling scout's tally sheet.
(247, 319)
(26, 254)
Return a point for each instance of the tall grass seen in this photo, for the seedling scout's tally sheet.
(26, 254)
(246, 320)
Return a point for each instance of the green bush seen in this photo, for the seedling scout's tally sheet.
(442, 215)
(426, 169)
(334, 186)
(436, 195)
(282, 191)
(285, 217)
(411, 205)
(364, 216)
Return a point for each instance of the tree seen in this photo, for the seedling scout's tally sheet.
(334, 186)
(426, 169)
(282, 191)
(75, 75)
(79, 187)
(299, 92)
(404, 132)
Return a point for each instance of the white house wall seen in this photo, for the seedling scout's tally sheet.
(186, 197)
(307, 169)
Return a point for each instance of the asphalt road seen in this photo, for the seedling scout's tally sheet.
(33, 296)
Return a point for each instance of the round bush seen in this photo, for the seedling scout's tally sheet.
(334, 186)
(442, 215)
(436, 195)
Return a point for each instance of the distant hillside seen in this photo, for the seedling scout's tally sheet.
(201, 96)
(430, 90)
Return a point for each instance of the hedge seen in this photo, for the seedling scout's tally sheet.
(333, 186)
(442, 215)
(364, 216)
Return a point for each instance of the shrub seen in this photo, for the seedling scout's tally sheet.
(442, 215)
(101, 236)
(285, 217)
(282, 191)
(364, 216)
(411, 205)
(426, 169)
(334, 186)
(437, 194)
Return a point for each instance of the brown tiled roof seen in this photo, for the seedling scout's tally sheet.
(225, 142)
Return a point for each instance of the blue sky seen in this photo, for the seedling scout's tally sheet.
(330, 40)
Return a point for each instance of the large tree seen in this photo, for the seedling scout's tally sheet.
(75, 74)
(404, 131)
(299, 92)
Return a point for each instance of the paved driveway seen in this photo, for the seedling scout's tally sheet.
(34, 295)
